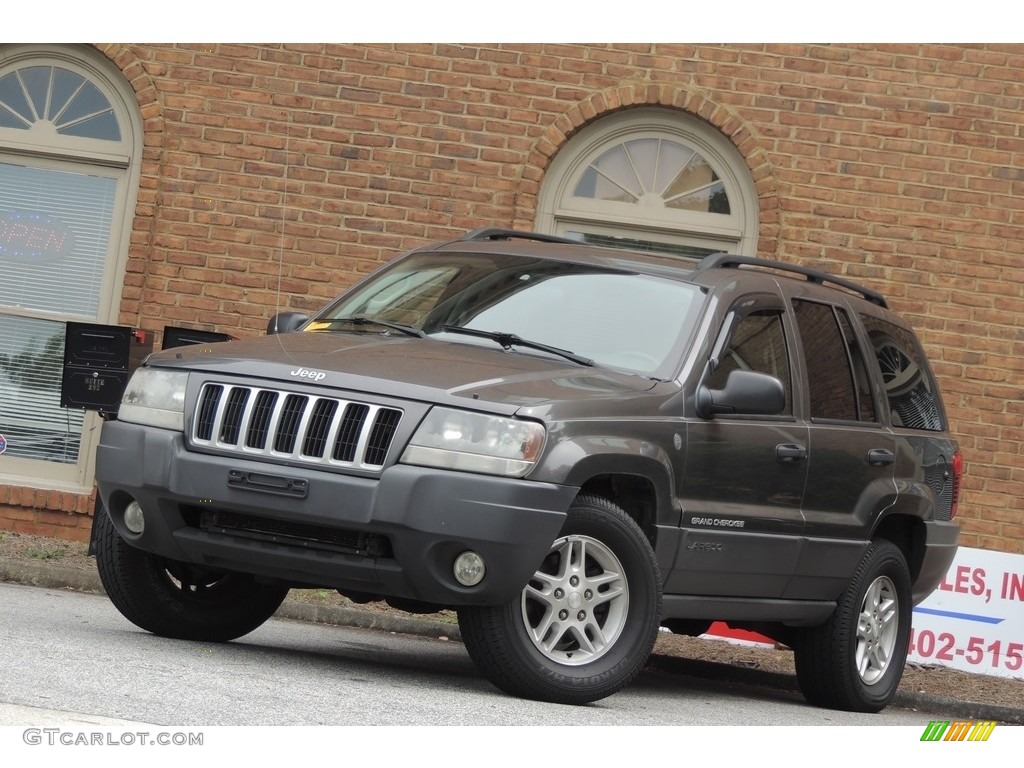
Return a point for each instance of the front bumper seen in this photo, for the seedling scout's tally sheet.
(426, 518)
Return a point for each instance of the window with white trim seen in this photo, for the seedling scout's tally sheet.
(655, 179)
(70, 139)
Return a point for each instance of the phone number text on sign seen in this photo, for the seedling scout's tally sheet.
(974, 620)
(947, 647)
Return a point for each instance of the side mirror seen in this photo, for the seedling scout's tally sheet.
(747, 392)
(286, 322)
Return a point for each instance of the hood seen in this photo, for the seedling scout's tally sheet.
(404, 367)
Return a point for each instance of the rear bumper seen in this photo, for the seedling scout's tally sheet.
(419, 519)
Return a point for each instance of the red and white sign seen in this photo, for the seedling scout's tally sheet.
(974, 620)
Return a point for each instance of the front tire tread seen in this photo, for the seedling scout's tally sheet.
(141, 587)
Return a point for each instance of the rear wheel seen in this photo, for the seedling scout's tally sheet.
(179, 600)
(585, 624)
(855, 660)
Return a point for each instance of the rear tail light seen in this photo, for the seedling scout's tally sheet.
(958, 472)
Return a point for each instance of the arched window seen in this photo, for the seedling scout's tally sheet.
(652, 178)
(70, 139)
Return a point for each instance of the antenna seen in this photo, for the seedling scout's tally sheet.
(284, 209)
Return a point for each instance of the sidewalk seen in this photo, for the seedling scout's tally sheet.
(54, 576)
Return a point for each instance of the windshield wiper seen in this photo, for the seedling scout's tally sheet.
(408, 330)
(509, 340)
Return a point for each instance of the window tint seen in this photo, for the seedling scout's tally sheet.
(830, 380)
(757, 344)
(861, 379)
(909, 387)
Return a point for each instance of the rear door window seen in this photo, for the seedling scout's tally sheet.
(831, 383)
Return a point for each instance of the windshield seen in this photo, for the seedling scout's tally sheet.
(615, 318)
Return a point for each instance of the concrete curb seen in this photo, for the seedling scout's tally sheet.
(710, 670)
(355, 617)
(44, 574)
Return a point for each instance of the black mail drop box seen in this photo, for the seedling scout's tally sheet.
(180, 337)
(98, 359)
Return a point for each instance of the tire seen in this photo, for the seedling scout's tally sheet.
(178, 600)
(575, 634)
(854, 661)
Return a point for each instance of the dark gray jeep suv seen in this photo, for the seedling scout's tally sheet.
(569, 445)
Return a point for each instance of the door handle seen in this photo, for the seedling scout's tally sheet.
(880, 457)
(790, 452)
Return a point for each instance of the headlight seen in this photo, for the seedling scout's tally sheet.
(156, 397)
(475, 442)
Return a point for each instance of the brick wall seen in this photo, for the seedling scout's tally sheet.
(41, 512)
(274, 176)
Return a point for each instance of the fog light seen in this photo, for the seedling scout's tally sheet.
(133, 519)
(469, 569)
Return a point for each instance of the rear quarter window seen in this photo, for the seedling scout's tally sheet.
(911, 391)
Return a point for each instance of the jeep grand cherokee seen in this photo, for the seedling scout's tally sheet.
(570, 445)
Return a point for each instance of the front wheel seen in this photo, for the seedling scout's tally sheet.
(179, 600)
(585, 624)
(854, 661)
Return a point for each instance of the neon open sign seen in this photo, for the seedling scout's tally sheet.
(33, 237)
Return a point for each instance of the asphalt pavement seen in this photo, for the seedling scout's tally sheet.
(54, 576)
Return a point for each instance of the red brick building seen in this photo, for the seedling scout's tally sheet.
(210, 185)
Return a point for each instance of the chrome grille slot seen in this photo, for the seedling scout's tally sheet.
(233, 416)
(259, 424)
(287, 425)
(318, 428)
(206, 412)
(381, 435)
(289, 422)
(352, 422)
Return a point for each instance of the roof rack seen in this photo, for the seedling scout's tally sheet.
(727, 260)
(494, 233)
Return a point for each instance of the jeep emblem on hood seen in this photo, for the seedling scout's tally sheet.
(305, 373)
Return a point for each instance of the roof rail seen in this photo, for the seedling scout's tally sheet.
(727, 260)
(494, 233)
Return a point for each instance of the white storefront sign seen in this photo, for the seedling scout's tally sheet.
(974, 620)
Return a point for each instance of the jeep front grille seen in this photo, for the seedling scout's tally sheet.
(288, 425)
